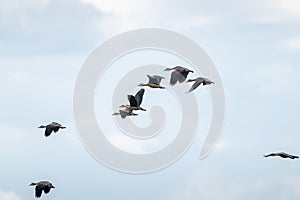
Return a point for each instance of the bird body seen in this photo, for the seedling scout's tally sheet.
(198, 81)
(179, 74)
(282, 155)
(154, 82)
(134, 104)
(54, 126)
(42, 186)
(135, 101)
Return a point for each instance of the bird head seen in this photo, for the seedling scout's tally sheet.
(42, 126)
(32, 184)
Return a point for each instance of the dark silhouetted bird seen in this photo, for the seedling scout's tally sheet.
(135, 101)
(42, 186)
(282, 155)
(54, 126)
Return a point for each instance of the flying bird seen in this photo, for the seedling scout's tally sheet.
(54, 126)
(282, 155)
(154, 82)
(42, 186)
(125, 113)
(135, 101)
(198, 81)
(179, 74)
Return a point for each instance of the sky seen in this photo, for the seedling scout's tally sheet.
(255, 46)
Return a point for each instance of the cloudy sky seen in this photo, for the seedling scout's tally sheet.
(255, 46)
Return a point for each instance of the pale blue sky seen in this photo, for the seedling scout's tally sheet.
(255, 46)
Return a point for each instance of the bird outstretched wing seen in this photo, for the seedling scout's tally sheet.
(48, 131)
(196, 84)
(158, 78)
(38, 191)
(139, 96)
(46, 189)
(175, 76)
(153, 80)
(132, 101)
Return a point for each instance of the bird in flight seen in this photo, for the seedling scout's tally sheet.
(42, 186)
(179, 74)
(154, 82)
(198, 81)
(54, 126)
(125, 113)
(135, 101)
(282, 155)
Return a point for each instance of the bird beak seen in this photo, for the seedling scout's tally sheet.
(52, 186)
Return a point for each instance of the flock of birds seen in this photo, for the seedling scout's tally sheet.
(179, 75)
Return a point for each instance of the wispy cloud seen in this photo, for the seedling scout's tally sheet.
(8, 195)
(291, 44)
(210, 184)
(122, 16)
(277, 11)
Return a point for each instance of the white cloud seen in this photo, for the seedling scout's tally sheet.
(291, 43)
(122, 16)
(277, 11)
(289, 7)
(212, 185)
(8, 195)
(20, 75)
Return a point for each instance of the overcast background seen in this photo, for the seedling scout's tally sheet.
(255, 45)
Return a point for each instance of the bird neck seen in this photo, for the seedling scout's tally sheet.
(143, 84)
(169, 69)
